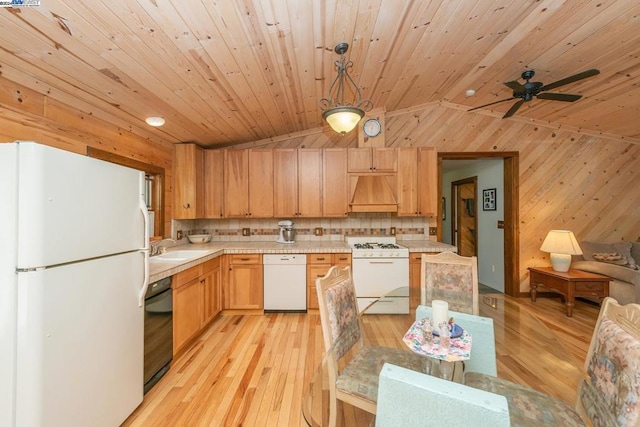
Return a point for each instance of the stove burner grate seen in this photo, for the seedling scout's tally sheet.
(375, 246)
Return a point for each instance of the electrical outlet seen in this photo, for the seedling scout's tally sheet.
(433, 231)
(179, 235)
(392, 231)
(246, 232)
(318, 231)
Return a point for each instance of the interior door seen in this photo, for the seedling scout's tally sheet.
(465, 223)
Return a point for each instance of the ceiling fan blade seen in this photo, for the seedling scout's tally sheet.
(486, 105)
(515, 86)
(566, 97)
(513, 109)
(571, 79)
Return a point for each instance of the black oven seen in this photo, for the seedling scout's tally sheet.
(158, 332)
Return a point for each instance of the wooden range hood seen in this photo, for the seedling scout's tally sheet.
(373, 193)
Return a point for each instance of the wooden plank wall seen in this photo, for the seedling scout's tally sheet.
(32, 116)
(568, 179)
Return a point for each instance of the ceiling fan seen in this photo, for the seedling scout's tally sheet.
(526, 92)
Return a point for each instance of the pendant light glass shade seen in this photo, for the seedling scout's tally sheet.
(343, 119)
(341, 114)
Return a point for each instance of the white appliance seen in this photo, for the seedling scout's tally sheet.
(380, 274)
(285, 282)
(73, 275)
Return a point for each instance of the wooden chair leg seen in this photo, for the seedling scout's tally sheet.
(333, 412)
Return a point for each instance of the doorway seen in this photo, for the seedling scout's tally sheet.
(463, 212)
(510, 219)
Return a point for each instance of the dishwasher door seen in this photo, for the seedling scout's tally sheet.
(285, 282)
(158, 332)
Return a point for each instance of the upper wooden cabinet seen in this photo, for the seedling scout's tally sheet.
(290, 183)
(248, 183)
(335, 183)
(297, 176)
(417, 181)
(188, 188)
(365, 160)
(213, 183)
(427, 181)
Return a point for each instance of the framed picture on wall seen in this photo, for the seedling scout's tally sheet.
(489, 199)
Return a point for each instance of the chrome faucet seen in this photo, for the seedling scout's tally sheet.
(160, 247)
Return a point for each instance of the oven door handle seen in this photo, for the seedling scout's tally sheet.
(381, 262)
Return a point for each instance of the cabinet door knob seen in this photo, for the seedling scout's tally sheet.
(187, 206)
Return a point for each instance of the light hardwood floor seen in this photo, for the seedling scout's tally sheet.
(252, 370)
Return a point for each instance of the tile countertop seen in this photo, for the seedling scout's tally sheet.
(160, 270)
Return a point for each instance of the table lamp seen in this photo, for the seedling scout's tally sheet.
(561, 244)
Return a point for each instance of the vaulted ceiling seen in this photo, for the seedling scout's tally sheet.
(226, 72)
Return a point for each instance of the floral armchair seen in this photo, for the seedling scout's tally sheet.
(450, 277)
(353, 367)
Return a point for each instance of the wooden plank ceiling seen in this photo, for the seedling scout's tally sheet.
(229, 72)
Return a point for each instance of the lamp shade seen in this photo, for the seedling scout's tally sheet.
(343, 119)
(561, 244)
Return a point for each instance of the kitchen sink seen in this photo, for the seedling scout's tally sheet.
(179, 256)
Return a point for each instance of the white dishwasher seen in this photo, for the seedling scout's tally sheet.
(285, 282)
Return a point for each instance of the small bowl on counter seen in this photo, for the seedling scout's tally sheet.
(199, 238)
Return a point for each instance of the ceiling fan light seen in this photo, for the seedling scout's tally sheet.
(155, 121)
(343, 119)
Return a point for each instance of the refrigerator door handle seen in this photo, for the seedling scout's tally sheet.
(145, 253)
(145, 283)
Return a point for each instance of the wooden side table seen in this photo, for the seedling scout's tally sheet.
(572, 284)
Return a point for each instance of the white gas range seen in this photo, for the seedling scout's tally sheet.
(380, 269)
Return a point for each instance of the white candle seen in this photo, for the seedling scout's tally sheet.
(439, 312)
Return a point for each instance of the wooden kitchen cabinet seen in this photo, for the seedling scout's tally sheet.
(213, 183)
(365, 160)
(187, 307)
(415, 278)
(297, 176)
(211, 280)
(248, 183)
(196, 301)
(427, 181)
(188, 188)
(417, 181)
(335, 183)
(244, 287)
(415, 259)
(317, 266)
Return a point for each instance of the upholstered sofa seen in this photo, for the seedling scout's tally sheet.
(618, 260)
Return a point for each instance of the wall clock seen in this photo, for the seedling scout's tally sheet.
(372, 128)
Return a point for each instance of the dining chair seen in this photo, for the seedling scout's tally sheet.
(450, 277)
(608, 394)
(353, 367)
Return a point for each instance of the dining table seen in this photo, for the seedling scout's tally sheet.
(395, 330)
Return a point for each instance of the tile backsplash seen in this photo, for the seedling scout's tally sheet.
(333, 229)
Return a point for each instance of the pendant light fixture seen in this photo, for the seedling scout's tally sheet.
(343, 115)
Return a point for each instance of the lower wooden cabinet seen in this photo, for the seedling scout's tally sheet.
(196, 301)
(415, 260)
(211, 290)
(317, 266)
(243, 288)
(415, 270)
(187, 313)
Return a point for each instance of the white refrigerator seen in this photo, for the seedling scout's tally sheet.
(73, 274)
